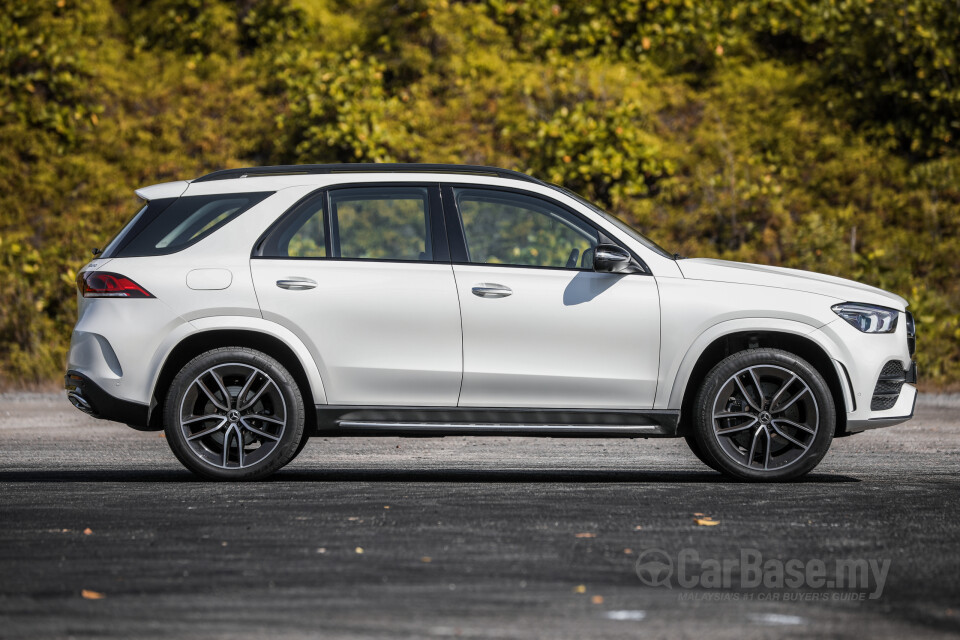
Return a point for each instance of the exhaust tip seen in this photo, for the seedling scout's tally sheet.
(80, 402)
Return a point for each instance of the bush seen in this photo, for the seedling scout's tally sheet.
(809, 133)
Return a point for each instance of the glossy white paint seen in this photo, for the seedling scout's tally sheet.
(390, 333)
(163, 190)
(265, 327)
(571, 339)
(382, 333)
(134, 331)
(789, 279)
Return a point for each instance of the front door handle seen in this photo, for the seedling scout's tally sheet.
(491, 290)
(296, 284)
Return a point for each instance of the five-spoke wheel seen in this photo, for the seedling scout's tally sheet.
(234, 413)
(764, 414)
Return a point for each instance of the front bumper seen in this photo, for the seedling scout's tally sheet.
(899, 413)
(89, 397)
(876, 374)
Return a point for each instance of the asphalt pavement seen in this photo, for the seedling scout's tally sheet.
(103, 534)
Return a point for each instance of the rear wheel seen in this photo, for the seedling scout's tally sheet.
(234, 414)
(764, 414)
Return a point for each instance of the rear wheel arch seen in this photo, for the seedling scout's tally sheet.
(202, 341)
(731, 343)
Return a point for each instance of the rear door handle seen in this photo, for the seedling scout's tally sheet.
(296, 284)
(491, 290)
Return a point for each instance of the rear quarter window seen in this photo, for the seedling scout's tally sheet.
(183, 222)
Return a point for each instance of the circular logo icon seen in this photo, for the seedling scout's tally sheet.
(654, 568)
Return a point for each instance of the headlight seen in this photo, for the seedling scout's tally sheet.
(868, 318)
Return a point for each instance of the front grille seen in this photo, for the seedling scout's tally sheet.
(887, 391)
(911, 334)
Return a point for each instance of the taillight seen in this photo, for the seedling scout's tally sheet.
(101, 284)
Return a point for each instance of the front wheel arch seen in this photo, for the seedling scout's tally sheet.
(732, 343)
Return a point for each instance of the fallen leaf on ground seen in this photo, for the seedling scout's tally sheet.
(637, 528)
(162, 435)
(359, 549)
(92, 595)
(628, 551)
(87, 531)
(585, 535)
(426, 559)
(706, 521)
(580, 588)
(597, 599)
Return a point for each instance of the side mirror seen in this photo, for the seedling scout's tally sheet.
(609, 258)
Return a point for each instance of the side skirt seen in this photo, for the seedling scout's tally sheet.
(340, 420)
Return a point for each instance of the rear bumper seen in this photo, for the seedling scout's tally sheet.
(89, 397)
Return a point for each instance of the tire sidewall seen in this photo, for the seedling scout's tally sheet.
(703, 417)
(293, 433)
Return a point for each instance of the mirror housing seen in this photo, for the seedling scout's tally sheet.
(609, 258)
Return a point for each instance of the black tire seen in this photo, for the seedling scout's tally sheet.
(697, 451)
(270, 428)
(768, 404)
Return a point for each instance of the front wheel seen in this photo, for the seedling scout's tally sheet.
(764, 414)
(234, 414)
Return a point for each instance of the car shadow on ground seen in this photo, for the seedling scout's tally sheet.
(439, 475)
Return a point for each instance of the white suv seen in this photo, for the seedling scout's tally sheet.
(249, 309)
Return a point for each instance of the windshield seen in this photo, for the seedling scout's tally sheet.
(618, 223)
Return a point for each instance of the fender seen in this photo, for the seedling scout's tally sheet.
(673, 382)
(248, 323)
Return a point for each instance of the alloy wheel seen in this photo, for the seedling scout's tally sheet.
(233, 416)
(765, 417)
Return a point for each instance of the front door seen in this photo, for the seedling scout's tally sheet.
(541, 328)
(362, 276)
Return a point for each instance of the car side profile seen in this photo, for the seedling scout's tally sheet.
(249, 309)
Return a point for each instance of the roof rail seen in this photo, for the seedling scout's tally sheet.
(366, 167)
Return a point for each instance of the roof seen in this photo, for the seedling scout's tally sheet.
(371, 167)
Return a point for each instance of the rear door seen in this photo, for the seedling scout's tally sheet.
(541, 328)
(362, 276)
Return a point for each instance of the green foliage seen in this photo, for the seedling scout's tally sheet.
(816, 134)
(45, 55)
(337, 108)
(198, 27)
(271, 23)
(889, 67)
(689, 35)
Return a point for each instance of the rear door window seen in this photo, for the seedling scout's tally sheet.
(381, 223)
(391, 223)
